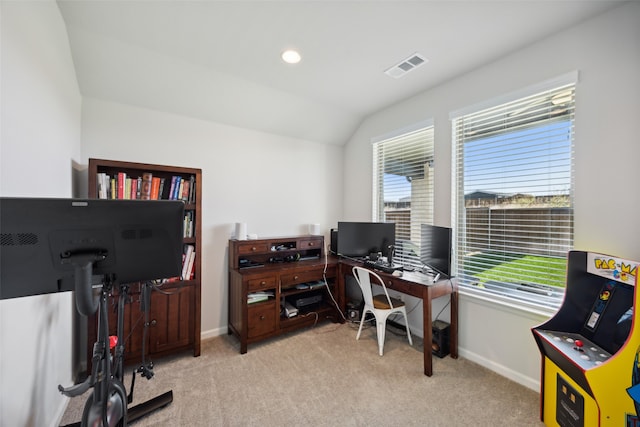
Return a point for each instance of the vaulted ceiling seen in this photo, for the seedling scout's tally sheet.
(220, 60)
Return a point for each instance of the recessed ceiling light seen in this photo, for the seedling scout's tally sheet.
(291, 56)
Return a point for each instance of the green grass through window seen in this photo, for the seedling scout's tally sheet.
(512, 268)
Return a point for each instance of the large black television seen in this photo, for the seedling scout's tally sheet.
(435, 248)
(47, 243)
(359, 239)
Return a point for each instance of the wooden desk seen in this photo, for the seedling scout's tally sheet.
(420, 286)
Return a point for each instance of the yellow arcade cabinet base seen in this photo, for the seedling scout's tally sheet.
(565, 402)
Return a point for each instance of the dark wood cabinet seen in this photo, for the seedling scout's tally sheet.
(267, 274)
(174, 312)
(170, 323)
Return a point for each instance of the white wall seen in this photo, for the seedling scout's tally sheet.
(40, 119)
(276, 185)
(605, 52)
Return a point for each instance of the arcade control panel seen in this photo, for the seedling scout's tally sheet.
(575, 347)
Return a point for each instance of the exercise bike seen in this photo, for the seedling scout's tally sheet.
(107, 405)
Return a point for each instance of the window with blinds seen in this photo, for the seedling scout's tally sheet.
(403, 187)
(513, 210)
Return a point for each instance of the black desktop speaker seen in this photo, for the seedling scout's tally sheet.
(354, 311)
(440, 339)
(333, 247)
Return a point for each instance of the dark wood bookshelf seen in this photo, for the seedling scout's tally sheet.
(174, 318)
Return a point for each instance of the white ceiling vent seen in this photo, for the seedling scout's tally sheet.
(406, 65)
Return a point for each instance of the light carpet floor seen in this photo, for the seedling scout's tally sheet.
(322, 376)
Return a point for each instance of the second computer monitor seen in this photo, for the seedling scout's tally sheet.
(435, 248)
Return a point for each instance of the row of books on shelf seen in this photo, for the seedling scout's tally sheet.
(146, 187)
(254, 297)
(188, 225)
(188, 262)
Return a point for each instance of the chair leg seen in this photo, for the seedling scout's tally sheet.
(406, 322)
(381, 326)
(364, 312)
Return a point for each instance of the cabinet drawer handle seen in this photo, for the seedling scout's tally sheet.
(311, 244)
(254, 249)
(264, 282)
(261, 317)
(153, 322)
(295, 277)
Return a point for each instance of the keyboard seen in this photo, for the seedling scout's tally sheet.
(382, 266)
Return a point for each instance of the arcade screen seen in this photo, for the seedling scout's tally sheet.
(608, 321)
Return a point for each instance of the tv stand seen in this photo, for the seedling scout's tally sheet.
(266, 274)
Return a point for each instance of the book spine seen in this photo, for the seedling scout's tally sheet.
(122, 178)
(134, 189)
(100, 185)
(193, 190)
(127, 188)
(176, 189)
(113, 188)
(173, 187)
(180, 190)
(186, 184)
(155, 188)
(107, 186)
(145, 192)
(161, 194)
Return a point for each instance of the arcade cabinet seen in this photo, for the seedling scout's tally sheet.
(590, 374)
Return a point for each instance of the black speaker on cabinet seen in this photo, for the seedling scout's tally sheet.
(440, 340)
(333, 247)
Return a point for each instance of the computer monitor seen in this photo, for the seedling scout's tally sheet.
(435, 248)
(359, 239)
(43, 240)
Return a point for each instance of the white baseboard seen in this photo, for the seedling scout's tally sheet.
(533, 384)
(212, 333)
(62, 408)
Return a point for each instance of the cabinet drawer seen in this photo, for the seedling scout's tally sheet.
(256, 284)
(291, 279)
(252, 248)
(400, 286)
(310, 244)
(261, 319)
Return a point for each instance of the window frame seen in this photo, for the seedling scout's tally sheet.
(539, 303)
(414, 145)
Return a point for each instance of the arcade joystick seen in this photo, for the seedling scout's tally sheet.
(579, 345)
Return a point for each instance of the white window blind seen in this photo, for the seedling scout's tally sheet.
(513, 210)
(403, 187)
